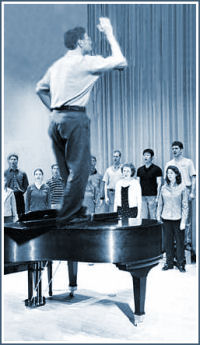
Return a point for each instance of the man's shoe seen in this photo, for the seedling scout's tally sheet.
(82, 212)
(181, 268)
(167, 267)
(72, 221)
(77, 217)
(193, 256)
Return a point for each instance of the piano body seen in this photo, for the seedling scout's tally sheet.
(132, 246)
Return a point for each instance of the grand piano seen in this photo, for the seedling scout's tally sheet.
(34, 242)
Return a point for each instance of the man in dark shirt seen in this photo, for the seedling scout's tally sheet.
(150, 176)
(17, 181)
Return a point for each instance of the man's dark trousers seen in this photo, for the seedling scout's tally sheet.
(19, 197)
(70, 133)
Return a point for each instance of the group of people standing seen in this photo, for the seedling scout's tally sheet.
(148, 193)
(39, 195)
(133, 194)
(121, 189)
(65, 90)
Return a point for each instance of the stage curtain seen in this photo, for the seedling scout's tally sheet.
(152, 102)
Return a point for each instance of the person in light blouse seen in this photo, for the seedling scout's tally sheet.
(173, 210)
(128, 194)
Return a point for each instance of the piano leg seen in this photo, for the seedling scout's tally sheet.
(35, 279)
(28, 301)
(72, 273)
(139, 276)
(139, 288)
(39, 290)
(49, 273)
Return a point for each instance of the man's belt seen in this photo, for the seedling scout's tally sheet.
(111, 189)
(70, 108)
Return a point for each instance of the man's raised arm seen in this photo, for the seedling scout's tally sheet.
(117, 59)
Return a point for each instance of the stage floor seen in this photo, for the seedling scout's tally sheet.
(102, 309)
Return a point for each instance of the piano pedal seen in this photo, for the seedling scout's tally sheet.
(35, 302)
(71, 290)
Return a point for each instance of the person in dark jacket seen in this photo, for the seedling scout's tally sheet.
(17, 180)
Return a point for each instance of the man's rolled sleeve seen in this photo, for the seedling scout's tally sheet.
(44, 83)
(192, 169)
(106, 177)
(99, 64)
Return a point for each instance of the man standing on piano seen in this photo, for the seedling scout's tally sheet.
(65, 90)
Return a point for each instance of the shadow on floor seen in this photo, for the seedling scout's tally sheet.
(124, 307)
(77, 298)
(65, 297)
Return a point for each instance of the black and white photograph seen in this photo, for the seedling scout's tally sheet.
(100, 172)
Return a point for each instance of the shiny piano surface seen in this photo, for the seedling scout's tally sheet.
(132, 245)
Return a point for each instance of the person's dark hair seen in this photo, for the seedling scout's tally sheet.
(178, 143)
(131, 166)
(118, 152)
(150, 151)
(13, 155)
(54, 165)
(93, 157)
(177, 172)
(38, 169)
(72, 36)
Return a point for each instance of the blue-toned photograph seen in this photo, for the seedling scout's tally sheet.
(100, 172)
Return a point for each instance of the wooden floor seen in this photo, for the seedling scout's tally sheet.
(102, 309)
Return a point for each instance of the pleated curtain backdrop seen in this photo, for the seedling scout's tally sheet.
(153, 101)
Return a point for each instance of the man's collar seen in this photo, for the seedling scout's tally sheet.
(117, 167)
(179, 158)
(148, 166)
(57, 177)
(11, 169)
(73, 53)
(93, 172)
